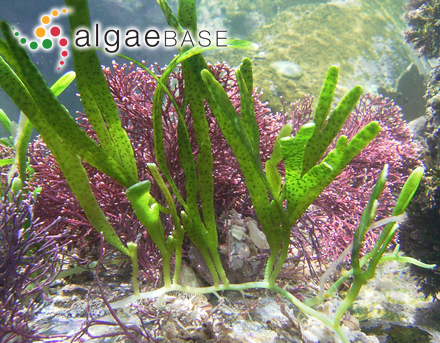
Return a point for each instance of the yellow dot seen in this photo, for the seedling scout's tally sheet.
(45, 20)
(40, 32)
(64, 10)
(54, 13)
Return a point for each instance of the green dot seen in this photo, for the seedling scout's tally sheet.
(16, 33)
(47, 44)
(33, 45)
(23, 40)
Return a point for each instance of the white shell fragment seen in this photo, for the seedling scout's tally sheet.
(237, 233)
(287, 69)
(257, 236)
(261, 55)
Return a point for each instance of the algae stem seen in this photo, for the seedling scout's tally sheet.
(195, 290)
(231, 287)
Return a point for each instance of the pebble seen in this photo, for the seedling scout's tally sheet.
(287, 69)
(260, 55)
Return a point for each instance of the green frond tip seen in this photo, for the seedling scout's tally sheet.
(345, 151)
(285, 131)
(246, 71)
(247, 106)
(99, 105)
(340, 114)
(30, 88)
(228, 43)
(305, 190)
(241, 44)
(231, 125)
(408, 190)
(327, 127)
(62, 83)
(326, 98)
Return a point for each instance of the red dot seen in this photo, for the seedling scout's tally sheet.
(62, 62)
(55, 31)
(64, 54)
(63, 41)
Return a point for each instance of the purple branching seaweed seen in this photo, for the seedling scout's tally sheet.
(29, 257)
(56, 199)
(133, 92)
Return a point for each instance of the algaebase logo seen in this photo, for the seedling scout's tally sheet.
(48, 35)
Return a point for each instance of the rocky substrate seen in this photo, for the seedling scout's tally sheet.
(388, 301)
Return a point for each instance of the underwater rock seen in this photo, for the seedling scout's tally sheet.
(287, 69)
(396, 332)
(419, 236)
(424, 31)
(392, 296)
(256, 235)
(243, 254)
(313, 332)
(433, 119)
(411, 88)
(250, 317)
(418, 127)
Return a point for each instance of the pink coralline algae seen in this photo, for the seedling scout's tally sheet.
(330, 221)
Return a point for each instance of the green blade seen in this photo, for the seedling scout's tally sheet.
(326, 130)
(96, 98)
(53, 112)
(248, 119)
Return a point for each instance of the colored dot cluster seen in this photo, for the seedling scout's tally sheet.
(49, 35)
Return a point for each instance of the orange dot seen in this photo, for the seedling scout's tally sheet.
(64, 10)
(45, 20)
(54, 13)
(40, 32)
